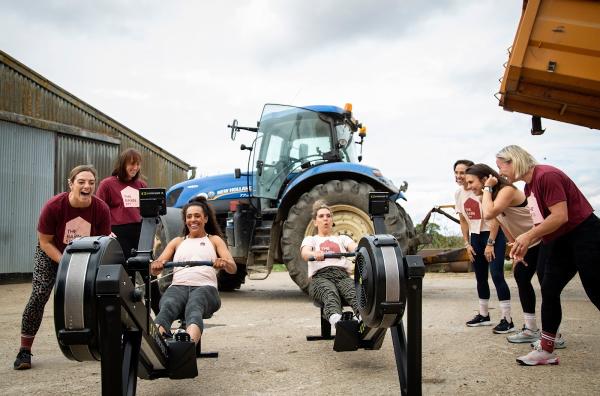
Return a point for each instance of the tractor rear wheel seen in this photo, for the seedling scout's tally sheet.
(349, 201)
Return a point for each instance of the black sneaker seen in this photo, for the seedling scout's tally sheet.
(479, 320)
(23, 360)
(504, 327)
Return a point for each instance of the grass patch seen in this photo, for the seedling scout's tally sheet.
(279, 268)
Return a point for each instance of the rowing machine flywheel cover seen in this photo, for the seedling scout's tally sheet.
(380, 281)
(75, 313)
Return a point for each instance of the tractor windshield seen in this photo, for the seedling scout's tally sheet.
(290, 138)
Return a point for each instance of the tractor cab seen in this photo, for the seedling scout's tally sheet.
(292, 139)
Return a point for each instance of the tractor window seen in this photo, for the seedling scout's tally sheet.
(273, 154)
(346, 145)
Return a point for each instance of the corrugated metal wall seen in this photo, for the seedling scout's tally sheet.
(72, 151)
(46, 131)
(26, 183)
(25, 92)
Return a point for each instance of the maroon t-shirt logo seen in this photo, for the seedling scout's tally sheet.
(472, 209)
(329, 247)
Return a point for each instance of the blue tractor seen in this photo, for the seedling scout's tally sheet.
(298, 155)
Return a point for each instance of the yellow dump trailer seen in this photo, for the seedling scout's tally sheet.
(553, 70)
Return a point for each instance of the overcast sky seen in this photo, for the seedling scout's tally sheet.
(420, 74)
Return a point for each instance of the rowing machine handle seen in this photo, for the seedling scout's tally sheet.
(334, 255)
(171, 264)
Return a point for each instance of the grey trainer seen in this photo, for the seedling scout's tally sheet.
(524, 336)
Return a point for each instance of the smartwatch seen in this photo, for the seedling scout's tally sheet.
(490, 242)
(488, 189)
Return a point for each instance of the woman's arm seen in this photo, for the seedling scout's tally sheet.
(559, 215)
(157, 265)
(224, 259)
(352, 246)
(308, 251)
(464, 228)
(492, 208)
(47, 246)
(489, 249)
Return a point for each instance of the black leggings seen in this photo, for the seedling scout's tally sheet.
(496, 267)
(524, 274)
(576, 251)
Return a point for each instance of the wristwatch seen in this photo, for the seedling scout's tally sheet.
(490, 242)
(487, 188)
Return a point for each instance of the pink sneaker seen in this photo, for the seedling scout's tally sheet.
(537, 357)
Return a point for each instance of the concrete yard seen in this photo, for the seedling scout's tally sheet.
(260, 336)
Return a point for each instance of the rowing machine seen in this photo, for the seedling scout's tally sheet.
(387, 282)
(100, 315)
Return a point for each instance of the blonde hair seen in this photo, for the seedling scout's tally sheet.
(320, 204)
(521, 160)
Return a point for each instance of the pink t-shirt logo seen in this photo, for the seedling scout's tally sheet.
(131, 197)
(534, 209)
(472, 209)
(76, 228)
(329, 247)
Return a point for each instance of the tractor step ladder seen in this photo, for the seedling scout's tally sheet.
(257, 264)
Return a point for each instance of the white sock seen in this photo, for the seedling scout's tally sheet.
(505, 309)
(333, 319)
(483, 307)
(530, 322)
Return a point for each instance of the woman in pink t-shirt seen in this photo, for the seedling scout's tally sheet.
(485, 244)
(64, 217)
(193, 291)
(329, 278)
(120, 191)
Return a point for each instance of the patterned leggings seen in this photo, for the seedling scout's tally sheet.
(327, 285)
(44, 275)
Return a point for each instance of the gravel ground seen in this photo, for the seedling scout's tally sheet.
(260, 336)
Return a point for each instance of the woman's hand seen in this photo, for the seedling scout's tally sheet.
(220, 263)
(157, 266)
(319, 255)
(489, 253)
(520, 246)
(471, 253)
(491, 181)
(515, 262)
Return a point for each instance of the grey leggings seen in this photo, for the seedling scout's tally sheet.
(44, 276)
(328, 286)
(193, 303)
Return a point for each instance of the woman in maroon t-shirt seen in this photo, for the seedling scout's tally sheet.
(121, 193)
(570, 232)
(64, 217)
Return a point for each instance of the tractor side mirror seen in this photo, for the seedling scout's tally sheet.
(237, 172)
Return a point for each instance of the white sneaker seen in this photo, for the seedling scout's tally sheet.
(559, 343)
(524, 336)
(538, 357)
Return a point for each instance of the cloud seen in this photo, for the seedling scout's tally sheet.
(421, 76)
(85, 17)
(292, 30)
